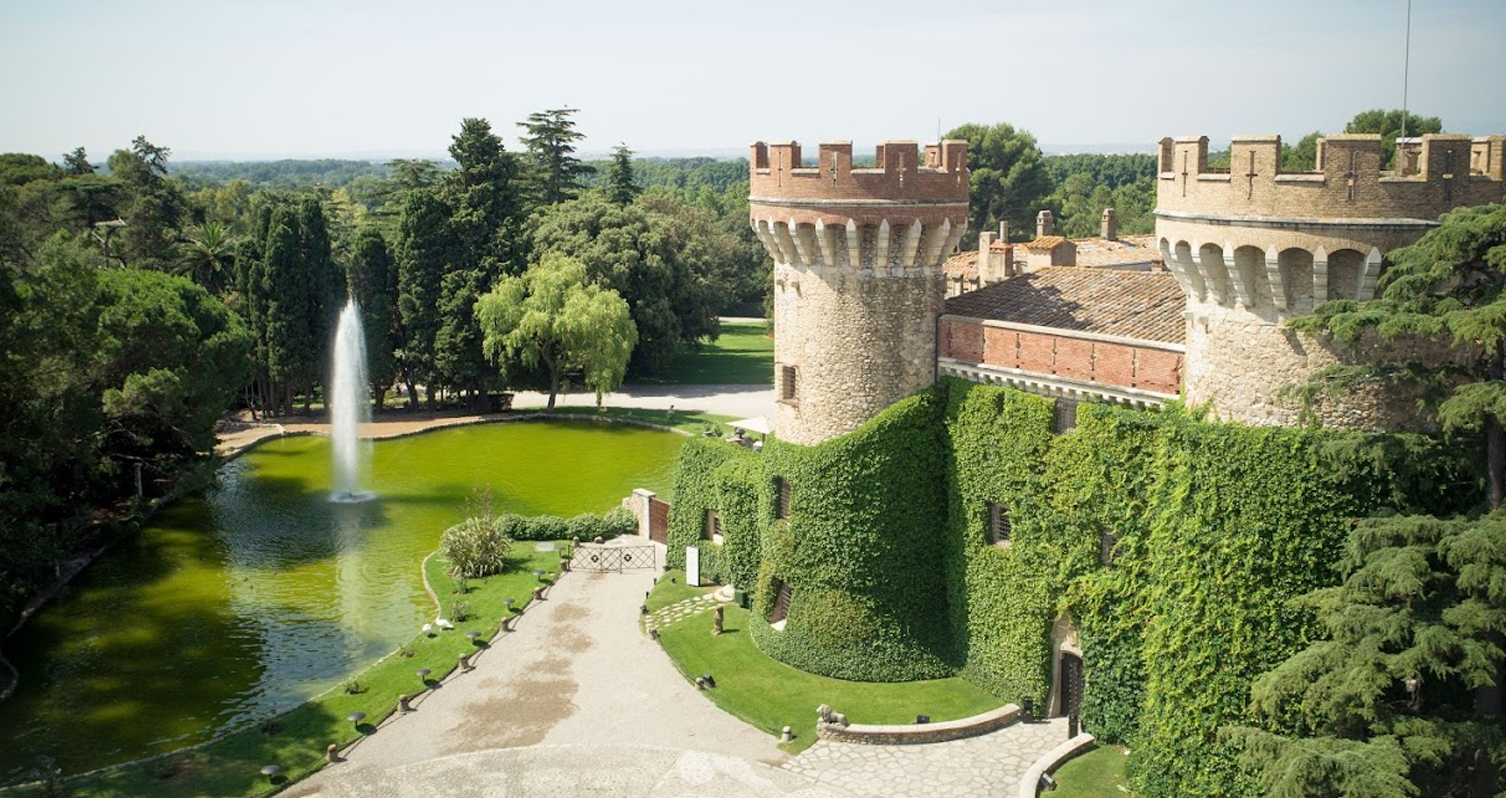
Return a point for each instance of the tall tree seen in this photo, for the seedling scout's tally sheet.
(655, 259)
(1389, 125)
(1302, 156)
(77, 163)
(325, 292)
(285, 298)
(1009, 178)
(372, 282)
(1447, 286)
(620, 185)
(425, 252)
(1402, 697)
(156, 209)
(552, 316)
(553, 170)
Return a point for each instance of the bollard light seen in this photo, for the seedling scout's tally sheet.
(270, 771)
(474, 636)
(356, 718)
(423, 675)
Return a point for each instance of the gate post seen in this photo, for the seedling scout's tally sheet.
(642, 501)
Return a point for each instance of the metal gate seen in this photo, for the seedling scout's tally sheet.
(590, 557)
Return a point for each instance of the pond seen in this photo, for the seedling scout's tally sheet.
(244, 602)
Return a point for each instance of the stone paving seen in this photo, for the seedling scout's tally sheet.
(579, 702)
(990, 765)
(679, 611)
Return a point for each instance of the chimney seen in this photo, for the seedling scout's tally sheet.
(1043, 224)
(1004, 230)
(1109, 227)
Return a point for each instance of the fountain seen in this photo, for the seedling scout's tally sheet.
(348, 405)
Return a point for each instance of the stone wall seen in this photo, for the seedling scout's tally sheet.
(858, 284)
(1252, 247)
(1248, 368)
(913, 734)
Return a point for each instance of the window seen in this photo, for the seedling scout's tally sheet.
(1108, 547)
(781, 604)
(998, 525)
(712, 529)
(1066, 415)
(787, 378)
(782, 497)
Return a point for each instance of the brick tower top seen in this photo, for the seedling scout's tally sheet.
(833, 191)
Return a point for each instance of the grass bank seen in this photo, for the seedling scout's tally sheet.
(770, 694)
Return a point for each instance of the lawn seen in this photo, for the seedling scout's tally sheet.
(1099, 773)
(770, 695)
(296, 740)
(671, 588)
(742, 355)
(694, 423)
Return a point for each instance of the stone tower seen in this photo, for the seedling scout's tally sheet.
(1253, 246)
(857, 275)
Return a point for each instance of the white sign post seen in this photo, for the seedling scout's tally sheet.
(693, 566)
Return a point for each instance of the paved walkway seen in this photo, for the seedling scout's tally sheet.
(579, 702)
(990, 765)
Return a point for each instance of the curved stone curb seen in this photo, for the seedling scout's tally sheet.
(1030, 783)
(916, 733)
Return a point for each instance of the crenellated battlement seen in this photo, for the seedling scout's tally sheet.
(1436, 173)
(902, 173)
(857, 274)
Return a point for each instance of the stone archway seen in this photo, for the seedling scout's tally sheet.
(1066, 668)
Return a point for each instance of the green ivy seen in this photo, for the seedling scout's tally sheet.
(1215, 528)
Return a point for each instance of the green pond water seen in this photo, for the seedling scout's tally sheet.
(244, 602)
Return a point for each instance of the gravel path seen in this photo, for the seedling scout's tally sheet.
(737, 401)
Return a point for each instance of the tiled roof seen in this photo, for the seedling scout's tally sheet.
(962, 264)
(1123, 251)
(1129, 304)
(1046, 243)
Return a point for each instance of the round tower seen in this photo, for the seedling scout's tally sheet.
(1253, 246)
(857, 275)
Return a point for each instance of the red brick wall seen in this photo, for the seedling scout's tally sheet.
(1120, 365)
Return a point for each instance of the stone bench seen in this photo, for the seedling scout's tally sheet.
(913, 733)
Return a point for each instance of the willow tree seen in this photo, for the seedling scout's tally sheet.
(551, 317)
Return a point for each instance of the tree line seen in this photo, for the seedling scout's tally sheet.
(135, 307)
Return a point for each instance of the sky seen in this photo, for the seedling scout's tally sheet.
(371, 78)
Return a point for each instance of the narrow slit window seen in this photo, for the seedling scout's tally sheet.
(1108, 548)
(998, 525)
(787, 378)
(712, 529)
(782, 497)
(781, 603)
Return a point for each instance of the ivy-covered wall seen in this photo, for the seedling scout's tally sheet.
(1171, 543)
(861, 550)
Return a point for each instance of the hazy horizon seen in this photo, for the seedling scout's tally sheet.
(283, 79)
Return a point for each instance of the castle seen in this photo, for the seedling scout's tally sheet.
(862, 319)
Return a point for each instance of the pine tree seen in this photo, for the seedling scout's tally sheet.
(553, 170)
(621, 189)
(1403, 697)
(1448, 286)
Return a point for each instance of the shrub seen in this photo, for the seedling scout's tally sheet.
(476, 547)
(621, 521)
(587, 527)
